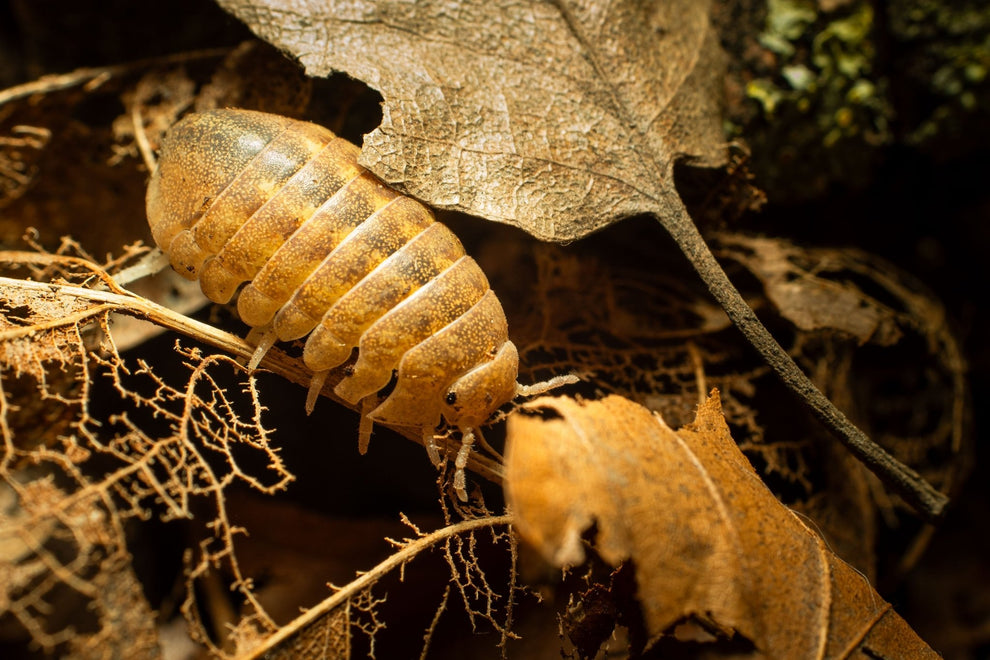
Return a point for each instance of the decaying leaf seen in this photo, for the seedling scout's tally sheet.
(67, 578)
(797, 283)
(906, 373)
(709, 543)
(559, 118)
(19, 152)
(75, 485)
(213, 440)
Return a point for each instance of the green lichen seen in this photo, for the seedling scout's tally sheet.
(818, 105)
(944, 66)
(823, 101)
(800, 77)
(831, 71)
(787, 20)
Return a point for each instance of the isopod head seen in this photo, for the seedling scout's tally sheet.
(473, 397)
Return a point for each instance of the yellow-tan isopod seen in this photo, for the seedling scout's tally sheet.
(328, 250)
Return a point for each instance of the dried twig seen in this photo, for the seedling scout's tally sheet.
(119, 300)
(93, 77)
(354, 588)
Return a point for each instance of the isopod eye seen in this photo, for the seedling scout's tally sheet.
(451, 398)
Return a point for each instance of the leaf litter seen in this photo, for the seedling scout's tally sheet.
(214, 440)
(559, 118)
(170, 449)
(660, 342)
(249, 630)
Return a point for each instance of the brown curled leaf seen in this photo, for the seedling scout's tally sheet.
(708, 541)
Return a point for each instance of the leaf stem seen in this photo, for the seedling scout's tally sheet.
(907, 483)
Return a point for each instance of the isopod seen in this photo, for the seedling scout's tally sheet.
(329, 251)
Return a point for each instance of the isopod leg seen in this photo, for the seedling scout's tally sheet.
(547, 385)
(315, 387)
(430, 442)
(150, 264)
(265, 337)
(460, 480)
(368, 404)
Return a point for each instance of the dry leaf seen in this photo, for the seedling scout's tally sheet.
(707, 539)
(559, 118)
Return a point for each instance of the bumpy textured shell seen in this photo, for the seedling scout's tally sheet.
(330, 251)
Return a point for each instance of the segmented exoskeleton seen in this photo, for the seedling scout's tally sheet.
(330, 251)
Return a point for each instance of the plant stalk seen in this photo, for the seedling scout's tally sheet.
(907, 483)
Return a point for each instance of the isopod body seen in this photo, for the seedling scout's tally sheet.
(329, 251)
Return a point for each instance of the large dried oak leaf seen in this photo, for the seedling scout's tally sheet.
(557, 117)
(707, 539)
